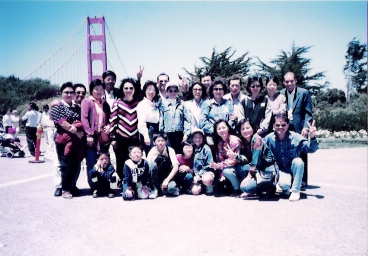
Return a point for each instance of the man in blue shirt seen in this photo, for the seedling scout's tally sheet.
(287, 147)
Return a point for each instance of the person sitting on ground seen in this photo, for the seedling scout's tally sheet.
(287, 147)
(184, 177)
(163, 167)
(101, 175)
(203, 174)
(136, 175)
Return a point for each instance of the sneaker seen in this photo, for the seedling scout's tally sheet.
(171, 185)
(295, 196)
(111, 194)
(95, 194)
(67, 195)
(209, 190)
(153, 194)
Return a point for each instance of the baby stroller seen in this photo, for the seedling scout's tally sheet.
(9, 146)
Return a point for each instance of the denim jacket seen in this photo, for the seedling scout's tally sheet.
(202, 158)
(213, 111)
(174, 118)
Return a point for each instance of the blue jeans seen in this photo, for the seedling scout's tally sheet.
(249, 184)
(230, 173)
(91, 160)
(294, 178)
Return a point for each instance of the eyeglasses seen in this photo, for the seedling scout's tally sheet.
(218, 89)
(69, 92)
(163, 81)
(128, 88)
(254, 86)
(198, 90)
(172, 90)
(150, 90)
(280, 125)
(81, 93)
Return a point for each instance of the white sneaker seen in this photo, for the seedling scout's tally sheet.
(295, 196)
(153, 194)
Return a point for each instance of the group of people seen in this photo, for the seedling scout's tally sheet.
(170, 139)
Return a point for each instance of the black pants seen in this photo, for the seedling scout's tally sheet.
(69, 166)
(122, 153)
(175, 139)
(31, 135)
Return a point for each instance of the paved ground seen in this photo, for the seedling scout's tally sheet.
(330, 219)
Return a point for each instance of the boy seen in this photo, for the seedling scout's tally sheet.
(135, 175)
(163, 167)
(101, 175)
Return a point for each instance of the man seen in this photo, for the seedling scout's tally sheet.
(162, 80)
(111, 93)
(235, 96)
(287, 146)
(206, 80)
(299, 112)
(32, 118)
(7, 121)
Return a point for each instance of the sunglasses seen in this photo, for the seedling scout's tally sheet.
(280, 125)
(81, 93)
(254, 86)
(128, 88)
(172, 90)
(69, 92)
(218, 89)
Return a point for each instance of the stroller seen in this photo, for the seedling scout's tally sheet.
(9, 146)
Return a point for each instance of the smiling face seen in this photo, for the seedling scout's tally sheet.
(234, 87)
(255, 88)
(187, 151)
(150, 92)
(218, 91)
(281, 127)
(80, 93)
(222, 130)
(68, 95)
(289, 81)
(197, 92)
(206, 81)
(136, 154)
(162, 81)
(172, 91)
(271, 87)
(198, 139)
(246, 131)
(109, 82)
(97, 92)
(128, 89)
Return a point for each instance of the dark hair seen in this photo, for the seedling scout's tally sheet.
(137, 89)
(254, 79)
(187, 143)
(66, 85)
(235, 77)
(190, 94)
(108, 73)
(46, 107)
(100, 153)
(157, 92)
(243, 121)
(134, 146)
(216, 82)
(272, 78)
(79, 86)
(163, 74)
(158, 135)
(216, 137)
(207, 74)
(283, 117)
(94, 83)
(33, 105)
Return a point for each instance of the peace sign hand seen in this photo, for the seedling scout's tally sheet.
(140, 72)
(312, 129)
(230, 153)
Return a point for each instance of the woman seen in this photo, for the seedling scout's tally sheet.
(276, 100)
(196, 97)
(15, 121)
(227, 164)
(257, 107)
(7, 122)
(124, 122)
(69, 137)
(214, 109)
(148, 114)
(95, 117)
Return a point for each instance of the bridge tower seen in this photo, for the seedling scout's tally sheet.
(96, 49)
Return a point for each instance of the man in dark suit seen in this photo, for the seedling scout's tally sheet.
(299, 111)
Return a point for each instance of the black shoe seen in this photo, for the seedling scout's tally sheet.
(57, 192)
(75, 191)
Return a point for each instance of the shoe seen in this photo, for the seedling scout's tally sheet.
(247, 195)
(95, 194)
(295, 196)
(153, 194)
(111, 194)
(57, 192)
(285, 193)
(303, 186)
(171, 185)
(67, 195)
(235, 193)
(174, 191)
(209, 190)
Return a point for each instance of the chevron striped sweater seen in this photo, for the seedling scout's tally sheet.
(123, 119)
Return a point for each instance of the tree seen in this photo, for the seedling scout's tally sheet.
(355, 68)
(294, 62)
(220, 65)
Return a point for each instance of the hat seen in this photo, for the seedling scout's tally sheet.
(171, 84)
(196, 130)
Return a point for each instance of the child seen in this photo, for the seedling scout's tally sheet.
(204, 175)
(101, 175)
(163, 166)
(135, 175)
(184, 178)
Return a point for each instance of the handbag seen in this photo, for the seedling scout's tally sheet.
(267, 158)
(103, 138)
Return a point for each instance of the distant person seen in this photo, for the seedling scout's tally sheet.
(299, 112)
(31, 117)
(287, 147)
(101, 176)
(206, 80)
(7, 122)
(15, 121)
(194, 101)
(235, 95)
(162, 80)
(48, 129)
(111, 93)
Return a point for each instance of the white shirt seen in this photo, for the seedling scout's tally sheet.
(7, 120)
(290, 104)
(236, 103)
(32, 118)
(147, 112)
(195, 111)
(153, 153)
(46, 121)
(110, 98)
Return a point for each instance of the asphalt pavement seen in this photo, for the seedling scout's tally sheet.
(330, 219)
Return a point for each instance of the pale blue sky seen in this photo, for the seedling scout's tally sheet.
(167, 36)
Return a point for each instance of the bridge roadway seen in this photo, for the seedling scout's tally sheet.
(330, 218)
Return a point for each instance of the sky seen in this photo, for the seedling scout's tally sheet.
(169, 36)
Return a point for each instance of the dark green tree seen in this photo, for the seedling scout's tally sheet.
(221, 65)
(295, 62)
(355, 69)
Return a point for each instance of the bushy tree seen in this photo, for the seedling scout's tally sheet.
(221, 65)
(295, 62)
(355, 69)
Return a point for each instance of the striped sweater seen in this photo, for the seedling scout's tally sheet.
(123, 119)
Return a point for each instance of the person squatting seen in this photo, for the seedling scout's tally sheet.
(206, 138)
